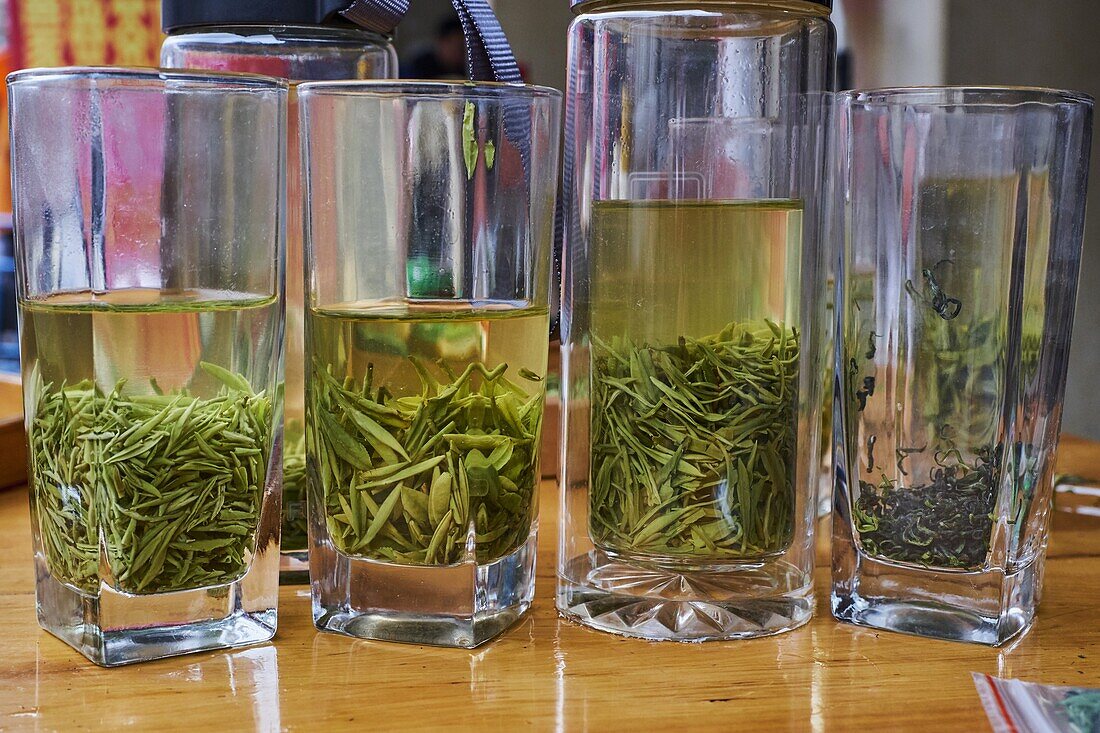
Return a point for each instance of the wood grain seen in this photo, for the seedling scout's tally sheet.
(13, 448)
(546, 673)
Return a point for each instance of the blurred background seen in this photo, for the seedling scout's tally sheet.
(883, 42)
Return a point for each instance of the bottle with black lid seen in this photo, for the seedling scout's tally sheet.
(298, 40)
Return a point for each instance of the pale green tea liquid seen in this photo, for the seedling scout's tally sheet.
(400, 402)
(351, 337)
(666, 269)
(694, 359)
(148, 337)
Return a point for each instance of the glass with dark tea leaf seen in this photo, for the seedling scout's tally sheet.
(429, 223)
(148, 219)
(960, 213)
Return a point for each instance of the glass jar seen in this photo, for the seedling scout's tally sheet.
(692, 316)
(298, 44)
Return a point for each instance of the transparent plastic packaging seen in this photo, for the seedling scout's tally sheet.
(148, 218)
(1015, 705)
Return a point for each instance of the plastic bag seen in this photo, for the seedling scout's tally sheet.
(1015, 706)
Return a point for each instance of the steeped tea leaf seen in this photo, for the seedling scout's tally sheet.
(944, 523)
(693, 443)
(294, 487)
(171, 483)
(403, 488)
(469, 139)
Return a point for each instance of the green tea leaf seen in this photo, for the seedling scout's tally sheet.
(177, 510)
(439, 497)
(469, 140)
(382, 516)
(226, 377)
(700, 429)
(446, 450)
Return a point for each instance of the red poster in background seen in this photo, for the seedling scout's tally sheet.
(74, 33)
(84, 32)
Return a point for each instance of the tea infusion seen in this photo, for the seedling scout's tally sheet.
(693, 405)
(424, 429)
(150, 419)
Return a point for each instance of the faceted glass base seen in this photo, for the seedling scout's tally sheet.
(678, 604)
(116, 628)
(987, 607)
(461, 605)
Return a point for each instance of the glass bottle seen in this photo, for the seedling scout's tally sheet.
(692, 315)
(299, 40)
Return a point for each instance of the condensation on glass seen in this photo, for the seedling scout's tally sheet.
(692, 288)
(960, 215)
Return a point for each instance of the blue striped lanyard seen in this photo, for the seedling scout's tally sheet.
(488, 55)
(488, 58)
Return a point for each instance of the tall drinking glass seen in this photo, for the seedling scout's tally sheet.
(961, 214)
(148, 222)
(429, 221)
(692, 316)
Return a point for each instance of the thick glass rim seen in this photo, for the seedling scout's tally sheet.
(425, 88)
(151, 75)
(306, 31)
(966, 96)
(821, 8)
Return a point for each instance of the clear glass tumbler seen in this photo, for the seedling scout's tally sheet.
(692, 318)
(429, 223)
(297, 53)
(148, 220)
(960, 213)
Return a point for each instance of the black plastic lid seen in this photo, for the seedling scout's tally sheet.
(176, 14)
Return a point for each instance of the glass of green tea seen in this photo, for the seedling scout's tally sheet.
(148, 211)
(429, 224)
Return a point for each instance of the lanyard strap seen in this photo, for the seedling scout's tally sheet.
(488, 58)
(488, 55)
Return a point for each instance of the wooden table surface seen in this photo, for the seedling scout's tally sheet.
(549, 674)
